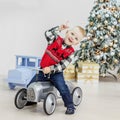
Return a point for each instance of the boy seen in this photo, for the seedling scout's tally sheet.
(58, 54)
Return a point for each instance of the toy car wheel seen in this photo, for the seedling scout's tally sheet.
(77, 96)
(49, 104)
(20, 98)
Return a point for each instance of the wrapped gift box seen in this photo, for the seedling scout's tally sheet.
(87, 77)
(69, 72)
(88, 67)
(87, 72)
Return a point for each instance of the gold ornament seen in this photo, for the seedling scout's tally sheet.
(83, 45)
(95, 40)
(101, 37)
(115, 41)
(91, 31)
(119, 20)
(88, 38)
(98, 16)
(119, 54)
(105, 22)
(109, 27)
(98, 26)
(106, 46)
(108, 33)
(94, 45)
(91, 23)
(101, 28)
(116, 61)
(105, 49)
(113, 26)
(115, 15)
(111, 30)
(113, 9)
(101, 0)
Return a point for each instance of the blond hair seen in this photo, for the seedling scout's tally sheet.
(82, 30)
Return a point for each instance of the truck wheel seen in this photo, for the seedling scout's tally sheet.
(49, 104)
(77, 96)
(20, 98)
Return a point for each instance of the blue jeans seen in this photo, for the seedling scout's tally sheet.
(58, 81)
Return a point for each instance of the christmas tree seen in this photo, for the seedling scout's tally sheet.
(102, 41)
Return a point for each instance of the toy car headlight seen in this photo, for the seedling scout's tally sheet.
(30, 94)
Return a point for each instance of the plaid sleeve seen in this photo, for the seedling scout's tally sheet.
(52, 34)
(62, 65)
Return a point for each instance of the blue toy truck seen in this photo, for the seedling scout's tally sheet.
(24, 71)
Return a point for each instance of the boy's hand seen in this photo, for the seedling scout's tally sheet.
(64, 26)
(46, 70)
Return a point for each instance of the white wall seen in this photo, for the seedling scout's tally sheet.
(23, 22)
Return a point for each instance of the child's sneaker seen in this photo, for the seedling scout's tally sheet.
(70, 111)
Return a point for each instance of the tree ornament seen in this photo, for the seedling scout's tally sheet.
(98, 26)
(116, 61)
(115, 41)
(108, 33)
(109, 27)
(111, 44)
(88, 38)
(91, 31)
(105, 46)
(119, 20)
(95, 40)
(119, 54)
(91, 23)
(115, 15)
(99, 16)
(113, 9)
(111, 30)
(101, 28)
(106, 22)
(101, 1)
(83, 45)
(101, 37)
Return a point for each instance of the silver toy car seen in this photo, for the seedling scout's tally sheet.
(46, 92)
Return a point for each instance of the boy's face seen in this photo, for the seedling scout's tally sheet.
(73, 36)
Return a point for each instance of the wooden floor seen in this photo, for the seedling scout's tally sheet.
(100, 102)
